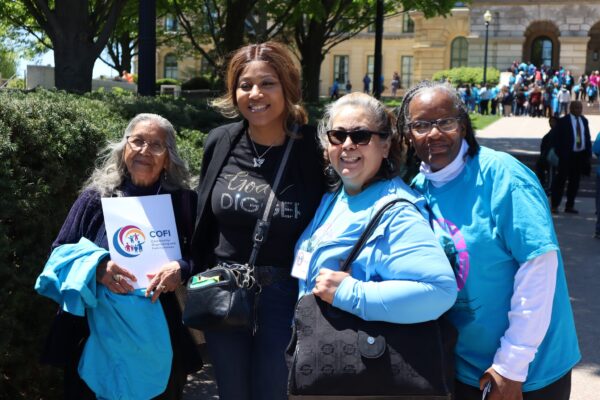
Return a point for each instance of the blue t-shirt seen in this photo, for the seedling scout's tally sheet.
(499, 217)
(400, 275)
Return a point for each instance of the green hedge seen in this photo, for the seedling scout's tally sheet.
(471, 75)
(48, 145)
(48, 142)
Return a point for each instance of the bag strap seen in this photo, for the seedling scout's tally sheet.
(262, 225)
(369, 230)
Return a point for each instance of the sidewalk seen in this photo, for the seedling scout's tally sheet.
(581, 255)
(521, 137)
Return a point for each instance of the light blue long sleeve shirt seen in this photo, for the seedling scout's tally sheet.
(401, 275)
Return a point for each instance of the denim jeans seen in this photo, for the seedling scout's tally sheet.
(253, 367)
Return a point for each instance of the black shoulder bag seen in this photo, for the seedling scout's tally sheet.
(226, 296)
(336, 355)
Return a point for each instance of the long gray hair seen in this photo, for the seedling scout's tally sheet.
(112, 171)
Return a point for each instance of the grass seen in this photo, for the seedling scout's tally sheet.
(481, 121)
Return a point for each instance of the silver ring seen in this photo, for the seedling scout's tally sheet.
(117, 277)
(162, 288)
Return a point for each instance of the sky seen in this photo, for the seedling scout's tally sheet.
(48, 59)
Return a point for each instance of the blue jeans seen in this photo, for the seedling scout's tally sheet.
(253, 367)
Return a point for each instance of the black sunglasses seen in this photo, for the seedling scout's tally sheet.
(358, 137)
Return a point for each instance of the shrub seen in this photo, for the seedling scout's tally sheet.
(470, 75)
(48, 143)
(18, 83)
(166, 81)
(196, 83)
(183, 113)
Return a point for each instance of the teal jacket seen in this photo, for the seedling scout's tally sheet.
(128, 354)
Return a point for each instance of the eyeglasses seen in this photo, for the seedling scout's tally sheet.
(358, 137)
(444, 125)
(137, 144)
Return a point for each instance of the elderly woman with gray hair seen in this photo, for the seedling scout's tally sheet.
(144, 162)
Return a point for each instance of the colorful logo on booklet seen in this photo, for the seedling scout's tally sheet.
(129, 241)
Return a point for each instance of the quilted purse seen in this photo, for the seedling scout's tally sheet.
(225, 296)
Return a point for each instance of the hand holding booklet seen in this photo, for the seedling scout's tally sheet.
(142, 234)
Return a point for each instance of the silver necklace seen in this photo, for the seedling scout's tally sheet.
(259, 160)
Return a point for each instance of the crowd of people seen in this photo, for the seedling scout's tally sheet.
(532, 91)
(506, 294)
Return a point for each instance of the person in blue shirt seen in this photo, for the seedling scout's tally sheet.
(401, 274)
(513, 315)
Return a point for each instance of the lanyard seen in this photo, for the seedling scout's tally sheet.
(318, 234)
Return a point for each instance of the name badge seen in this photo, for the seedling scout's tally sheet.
(301, 263)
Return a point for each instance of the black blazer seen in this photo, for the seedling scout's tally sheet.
(306, 158)
(563, 136)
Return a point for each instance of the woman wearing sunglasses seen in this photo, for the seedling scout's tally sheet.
(513, 312)
(401, 274)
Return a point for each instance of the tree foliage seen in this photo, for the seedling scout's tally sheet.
(8, 62)
(215, 28)
(77, 31)
(122, 45)
(321, 25)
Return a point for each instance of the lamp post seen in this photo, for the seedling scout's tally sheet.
(147, 48)
(487, 17)
(377, 86)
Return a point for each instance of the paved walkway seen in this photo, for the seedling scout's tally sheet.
(522, 135)
(581, 254)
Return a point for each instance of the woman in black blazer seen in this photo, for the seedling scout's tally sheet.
(238, 169)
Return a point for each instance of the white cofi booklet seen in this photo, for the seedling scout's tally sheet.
(141, 232)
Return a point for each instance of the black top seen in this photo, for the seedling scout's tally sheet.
(239, 198)
(562, 135)
(224, 231)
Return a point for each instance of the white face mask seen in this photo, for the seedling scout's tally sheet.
(450, 171)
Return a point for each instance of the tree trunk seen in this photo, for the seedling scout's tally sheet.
(237, 12)
(310, 45)
(73, 68)
(78, 34)
(311, 75)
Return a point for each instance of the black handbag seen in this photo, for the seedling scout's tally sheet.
(336, 355)
(226, 296)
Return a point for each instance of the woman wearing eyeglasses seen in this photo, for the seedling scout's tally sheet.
(144, 162)
(513, 313)
(401, 274)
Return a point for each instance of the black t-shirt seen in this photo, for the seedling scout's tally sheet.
(239, 197)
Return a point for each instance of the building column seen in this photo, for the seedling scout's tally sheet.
(573, 52)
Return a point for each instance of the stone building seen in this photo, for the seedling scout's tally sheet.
(553, 32)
